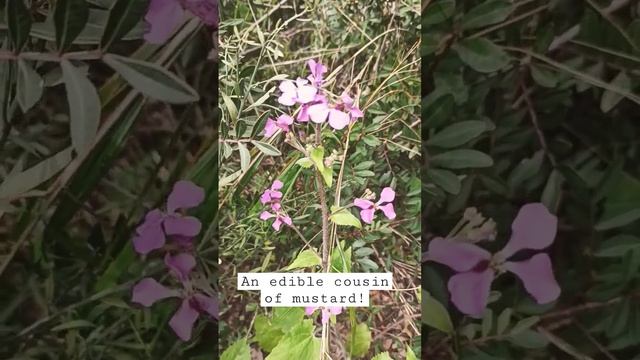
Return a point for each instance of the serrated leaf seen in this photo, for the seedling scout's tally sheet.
(435, 314)
(462, 159)
(299, 343)
(266, 334)
(70, 18)
(152, 80)
(29, 87)
(239, 350)
(482, 55)
(124, 15)
(84, 106)
(18, 23)
(359, 341)
(305, 259)
(488, 13)
(457, 134)
(26, 180)
(266, 149)
(346, 218)
(286, 318)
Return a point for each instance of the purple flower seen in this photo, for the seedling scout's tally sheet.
(272, 194)
(296, 92)
(326, 312)
(280, 217)
(157, 226)
(148, 291)
(348, 103)
(164, 16)
(282, 123)
(317, 73)
(368, 208)
(323, 111)
(534, 228)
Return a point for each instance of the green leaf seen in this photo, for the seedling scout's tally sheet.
(435, 314)
(245, 156)
(482, 55)
(317, 156)
(29, 87)
(552, 191)
(438, 11)
(286, 318)
(239, 350)
(299, 343)
(21, 182)
(123, 17)
(327, 176)
(462, 159)
(526, 169)
(437, 110)
(84, 106)
(18, 23)
(618, 246)
(410, 354)
(267, 335)
(305, 259)
(529, 339)
(488, 13)
(487, 322)
(610, 98)
(73, 324)
(305, 162)
(457, 134)
(544, 77)
(382, 356)
(266, 149)
(338, 264)
(346, 218)
(69, 17)
(359, 341)
(231, 108)
(446, 179)
(622, 203)
(504, 319)
(152, 80)
(524, 324)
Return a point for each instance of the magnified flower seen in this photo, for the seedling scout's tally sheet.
(283, 122)
(326, 312)
(280, 217)
(317, 73)
(534, 228)
(152, 233)
(273, 193)
(368, 208)
(148, 291)
(164, 16)
(296, 92)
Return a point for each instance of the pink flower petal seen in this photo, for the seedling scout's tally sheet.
(338, 119)
(270, 128)
(533, 228)
(303, 114)
(148, 291)
(182, 225)
(285, 120)
(277, 184)
(326, 315)
(287, 99)
(367, 215)
(183, 320)
(208, 304)
(288, 86)
(287, 220)
(185, 195)
(387, 195)
(335, 310)
(181, 265)
(318, 113)
(363, 204)
(537, 276)
(458, 256)
(162, 18)
(309, 310)
(150, 235)
(306, 94)
(277, 223)
(470, 291)
(388, 211)
(265, 197)
(265, 215)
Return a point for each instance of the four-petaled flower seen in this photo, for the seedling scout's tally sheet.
(323, 111)
(283, 122)
(273, 193)
(280, 216)
(194, 302)
(534, 228)
(163, 16)
(296, 92)
(368, 208)
(157, 226)
(326, 312)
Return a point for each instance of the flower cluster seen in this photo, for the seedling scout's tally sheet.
(385, 204)
(164, 16)
(534, 228)
(272, 197)
(197, 296)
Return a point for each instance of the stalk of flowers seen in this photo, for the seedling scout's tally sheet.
(172, 231)
(534, 228)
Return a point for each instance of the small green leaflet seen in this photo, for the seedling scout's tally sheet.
(482, 55)
(359, 340)
(346, 218)
(435, 314)
(239, 350)
(305, 259)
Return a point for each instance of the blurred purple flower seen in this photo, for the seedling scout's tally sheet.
(326, 312)
(273, 193)
(282, 123)
(164, 16)
(296, 92)
(534, 228)
(280, 216)
(152, 233)
(148, 291)
(368, 208)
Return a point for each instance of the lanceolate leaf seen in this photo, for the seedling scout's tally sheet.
(29, 86)
(84, 106)
(152, 80)
(18, 23)
(482, 55)
(462, 159)
(70, 17)
(123, 16)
